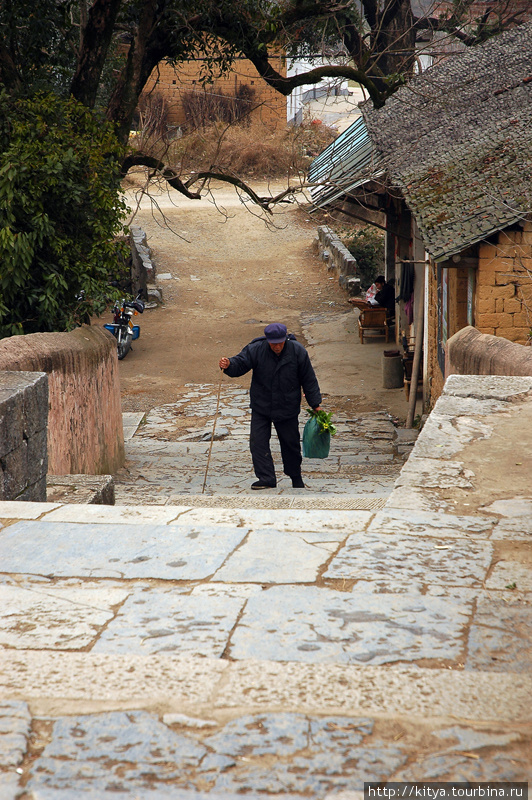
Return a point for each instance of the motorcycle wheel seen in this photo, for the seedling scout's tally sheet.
(124, 344)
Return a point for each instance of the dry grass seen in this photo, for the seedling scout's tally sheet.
(246, 151)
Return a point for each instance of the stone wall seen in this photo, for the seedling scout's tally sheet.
(503, 298)
(338, 258)
(85, 434)
(470, 352)
(142, 270)
(23, 422)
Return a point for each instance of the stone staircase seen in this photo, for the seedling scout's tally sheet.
(214, 644)
(169, 456)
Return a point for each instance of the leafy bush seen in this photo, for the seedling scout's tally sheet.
(60, 211)
(367, 246)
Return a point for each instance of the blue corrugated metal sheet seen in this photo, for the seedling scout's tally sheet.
(348, 162)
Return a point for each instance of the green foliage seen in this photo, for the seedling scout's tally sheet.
(323, 420)
(41, 41)
(60, 211)
(367, 246)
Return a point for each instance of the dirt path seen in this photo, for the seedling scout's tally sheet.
(232, 275)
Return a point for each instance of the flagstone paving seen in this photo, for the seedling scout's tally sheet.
(225, 645)
(167, 459)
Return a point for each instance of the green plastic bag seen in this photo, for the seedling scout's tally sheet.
(316, 443)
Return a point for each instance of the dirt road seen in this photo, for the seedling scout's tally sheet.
(232, 273)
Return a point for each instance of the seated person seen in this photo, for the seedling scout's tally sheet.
(384, 297)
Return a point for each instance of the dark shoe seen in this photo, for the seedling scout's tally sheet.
(297, 482)
(263, 485)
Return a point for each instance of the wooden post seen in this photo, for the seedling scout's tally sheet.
(418, 348)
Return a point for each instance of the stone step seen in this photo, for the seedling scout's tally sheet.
(196, 686)
(97, 489)
(303, 500)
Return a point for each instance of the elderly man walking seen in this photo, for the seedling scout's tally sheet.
(281, 369)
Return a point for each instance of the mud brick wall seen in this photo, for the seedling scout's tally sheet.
(85, 434)
(23, 435)
(503, 303)
(338, 258)
(171, 82)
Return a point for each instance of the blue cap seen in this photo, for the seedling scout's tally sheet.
(275, 333)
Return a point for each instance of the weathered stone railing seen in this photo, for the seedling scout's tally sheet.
(337, 257)
(23, 426)
(470, 352)
(85, 434)
(142, 267)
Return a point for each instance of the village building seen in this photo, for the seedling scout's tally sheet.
(184, 81)
(445, 168)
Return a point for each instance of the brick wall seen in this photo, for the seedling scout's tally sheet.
(85, 433)
(504, 285)
(172, 82)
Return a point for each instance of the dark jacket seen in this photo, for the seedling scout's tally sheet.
(386, 298)
(277, 380)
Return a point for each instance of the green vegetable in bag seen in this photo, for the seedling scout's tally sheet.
(317, 434)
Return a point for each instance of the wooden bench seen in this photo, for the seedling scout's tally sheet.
(372, 324)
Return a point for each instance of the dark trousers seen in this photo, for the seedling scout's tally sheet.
(259, 444)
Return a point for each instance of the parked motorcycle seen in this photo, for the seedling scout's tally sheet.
(122, 327)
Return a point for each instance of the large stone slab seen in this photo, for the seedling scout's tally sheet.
(272, 556)
(114, 752)
(422, 523)
(500, 638)
(119, 514)
(291, 753)
(341, 523)
(163, 621)
(472, 756)
(443, 437)
(15, 724)
(431, 560)
(137, 551)
(429, 472)
(515, 518)
(57, 617)
(485, 387)
(360, 627)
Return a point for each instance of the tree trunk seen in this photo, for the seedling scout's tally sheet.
(392, 41)
(95, 40)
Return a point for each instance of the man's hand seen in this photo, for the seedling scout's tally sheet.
(224, 363)
(318, 408)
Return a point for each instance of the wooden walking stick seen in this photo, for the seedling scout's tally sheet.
(213, 429)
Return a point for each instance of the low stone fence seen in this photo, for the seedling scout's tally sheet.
(85, 434)
(338, 258)
(142, 267)
(23, 427)
(470, 352)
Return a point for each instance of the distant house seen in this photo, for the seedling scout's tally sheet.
(333, 102)
(174, 83)
(445, 167)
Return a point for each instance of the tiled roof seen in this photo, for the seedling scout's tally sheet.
(457, 142)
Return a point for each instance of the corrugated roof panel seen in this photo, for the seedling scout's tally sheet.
(346, 163)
